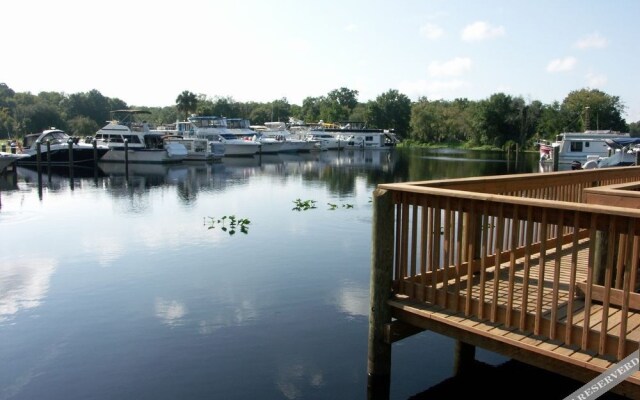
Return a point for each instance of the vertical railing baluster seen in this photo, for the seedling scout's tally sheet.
(556, 277)
(515, 220)
(587, 296)
(572, 278)
(498, 259)
(448, 234)
(527, 269)
(414, 248)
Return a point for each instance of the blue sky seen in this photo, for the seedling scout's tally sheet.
(146, 53)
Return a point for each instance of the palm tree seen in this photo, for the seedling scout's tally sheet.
(186, 102)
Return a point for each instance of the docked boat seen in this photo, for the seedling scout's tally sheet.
(214, 129)
(579, 146)
(328, 140)
(142, 145)
(7, 159)
(54, 149)
(289, 144)
(357, 135)
(624, 152)
(198, 149)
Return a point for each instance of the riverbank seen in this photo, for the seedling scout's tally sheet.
(457, 145)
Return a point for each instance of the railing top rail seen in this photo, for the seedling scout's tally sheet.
(524, 201)
(529, 181)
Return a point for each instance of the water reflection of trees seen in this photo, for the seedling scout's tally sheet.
(337, 171)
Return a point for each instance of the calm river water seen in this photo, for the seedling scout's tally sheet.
(116, 288)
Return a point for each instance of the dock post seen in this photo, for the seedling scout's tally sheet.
(556, 157)
(38, 155)
(94, 142)
(48, 155)
(465, 355)
(70, 145)
(637, 158)
(39, 167)
(379, 358)
(126, 158)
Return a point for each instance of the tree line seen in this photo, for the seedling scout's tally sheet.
(499, 121)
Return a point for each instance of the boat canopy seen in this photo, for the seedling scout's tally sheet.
(618, 143)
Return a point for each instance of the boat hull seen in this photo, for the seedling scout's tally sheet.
(60, 156)
(157, 156)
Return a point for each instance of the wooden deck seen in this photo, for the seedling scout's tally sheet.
(519, 265)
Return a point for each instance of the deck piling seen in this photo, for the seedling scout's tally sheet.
(464, 357)
(379, 359)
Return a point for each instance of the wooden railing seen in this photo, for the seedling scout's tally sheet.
(524, 251)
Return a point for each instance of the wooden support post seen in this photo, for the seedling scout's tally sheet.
(70, 144)
(49, 155)
(556, 157)
(94, 142)
(463, 358)
(126, 158)
(39, 168)
(38, 155)
(637, 158)
(379, 359)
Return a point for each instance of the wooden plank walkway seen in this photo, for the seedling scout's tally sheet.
(514, 335)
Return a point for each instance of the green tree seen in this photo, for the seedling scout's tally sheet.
(280, 110)
(260, 114)
(424, 119)
(499, 119)
(634, 128)
(338, 105)
(7, 124)
(593, 109)
(91, 104)
(390, 110)
(82, 126)
(310, 111)
(6, 97)
(187, 103)
(37, 117)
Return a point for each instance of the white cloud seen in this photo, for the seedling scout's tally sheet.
(454, 67)
(481, 30)
(351, 28)
(431, 31)
(596, 80)
(562, 64)
(298, 45)
(593, 40)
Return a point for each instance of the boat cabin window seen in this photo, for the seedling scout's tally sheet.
(153, 142)
(576, 146)
(368, 138)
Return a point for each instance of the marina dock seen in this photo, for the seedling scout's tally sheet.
(542, 268)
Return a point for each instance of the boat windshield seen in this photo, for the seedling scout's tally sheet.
(54, 137)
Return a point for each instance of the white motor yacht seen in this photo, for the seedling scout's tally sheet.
(142, 145)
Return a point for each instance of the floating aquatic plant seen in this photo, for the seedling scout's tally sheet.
(304, 205)
(230, 224)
